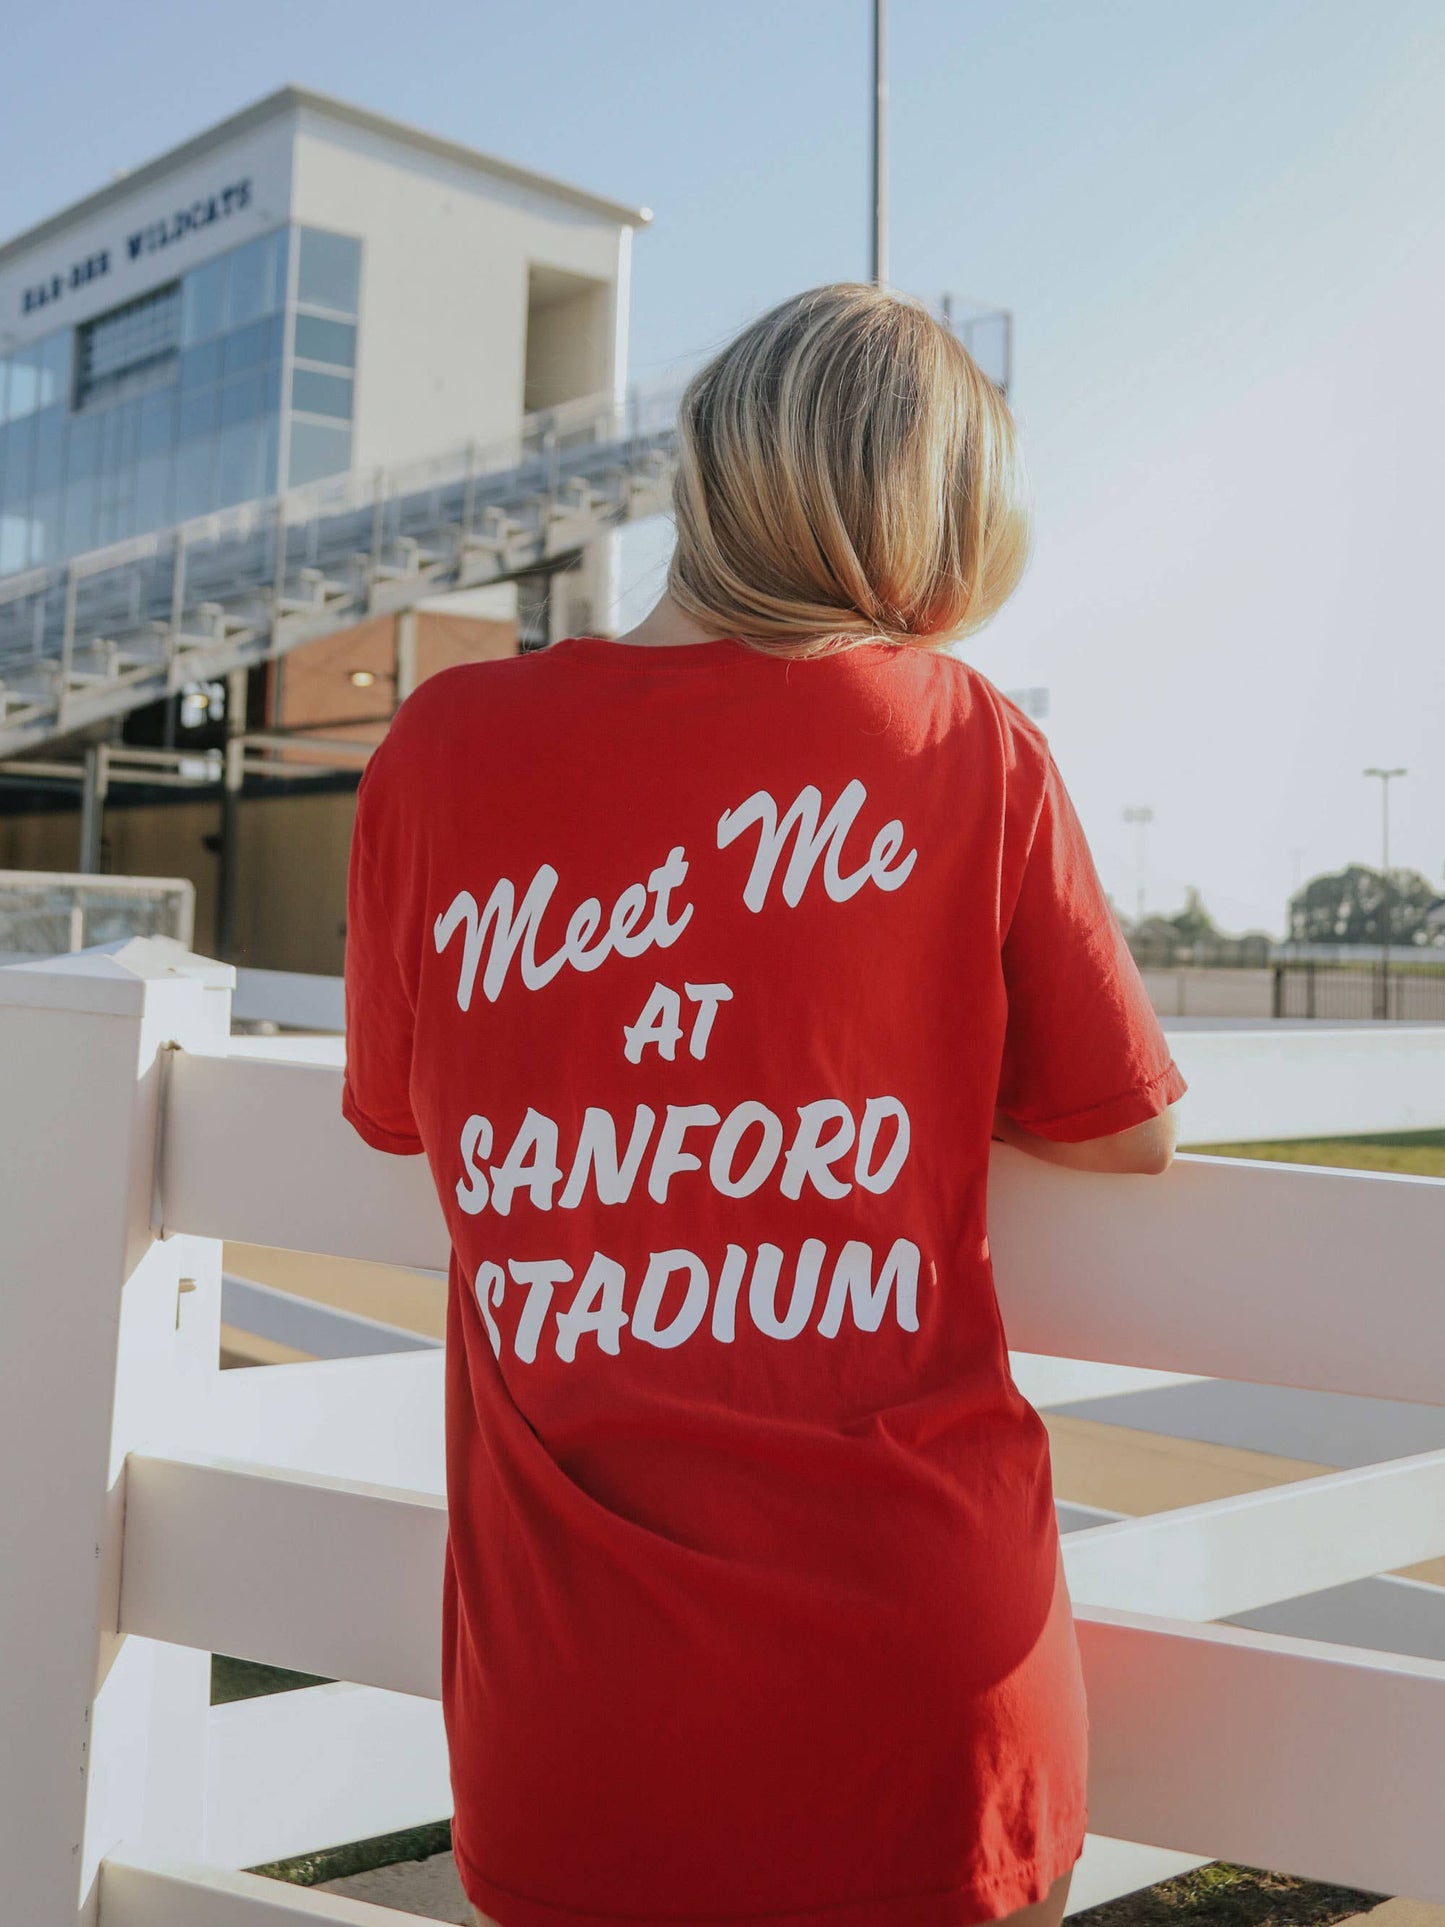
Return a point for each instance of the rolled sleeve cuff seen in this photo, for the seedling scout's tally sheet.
(401, 1143)
(1119, 1113)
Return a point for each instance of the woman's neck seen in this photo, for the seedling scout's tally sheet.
(665, 626)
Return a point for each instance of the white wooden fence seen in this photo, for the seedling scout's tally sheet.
(154, 1509)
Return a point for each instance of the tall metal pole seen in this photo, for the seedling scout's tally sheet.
(879, 263)
(232, 779)
(1387, 906)
(1141, 817)
(94, 784)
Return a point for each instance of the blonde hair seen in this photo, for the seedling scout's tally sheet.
(846, 474)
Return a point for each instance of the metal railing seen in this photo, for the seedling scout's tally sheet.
(1360, 993)
(121, 626)
(118, 627)
(47, 913)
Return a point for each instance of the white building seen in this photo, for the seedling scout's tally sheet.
(304, 289)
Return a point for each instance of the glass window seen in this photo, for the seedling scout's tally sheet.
(24, 381)
(14, 540)
(126, 336)
(194, 462)
(82, 446)
(114, 510)
(157, 424)
(14, 467)
(153, 491)
(122, 428)
(198, 415)
(270, 429)
(317, 394)
(200, 366)
(279, 243)
(4, 388)
(131, 348)
(238, 475)
(203, 301)
(55, 368)
(78, 525)
(49, 448)
(246, 284)
(317, 450)
(240, 399)
(320, 340)
(246, 347)
(17, 443)
(125, 522)
(329, 275)
(45, 528)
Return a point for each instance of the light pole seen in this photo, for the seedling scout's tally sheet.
(1141, 816)
(1388, 905)
(879, 262)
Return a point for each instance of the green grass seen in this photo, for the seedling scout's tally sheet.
(244, 1679)
(1418, 1154)
(1218, 1895)
(361, 1856)
(1221, 1895)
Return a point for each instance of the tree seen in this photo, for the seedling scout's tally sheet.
(1193, 924)
(1350, 906)
(1191, 936)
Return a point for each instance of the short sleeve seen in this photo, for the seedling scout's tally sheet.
(375, 1096)
(1084, 1053)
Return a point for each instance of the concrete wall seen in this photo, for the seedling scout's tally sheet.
(568, 333)
(1211, 993)
(446, 286)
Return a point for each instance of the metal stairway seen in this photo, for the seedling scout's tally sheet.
(116, 628)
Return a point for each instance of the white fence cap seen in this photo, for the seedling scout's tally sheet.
(109, 977)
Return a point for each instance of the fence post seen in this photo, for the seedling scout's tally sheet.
(109, 1340)
(1277, 1001)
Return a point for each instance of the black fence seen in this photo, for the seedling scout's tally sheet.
(1375, 990)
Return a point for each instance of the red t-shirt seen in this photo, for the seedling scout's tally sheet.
(696, 975)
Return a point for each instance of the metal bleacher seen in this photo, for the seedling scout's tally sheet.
(113, 629)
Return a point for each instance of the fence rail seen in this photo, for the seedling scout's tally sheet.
(134, 1140)
(45, 913)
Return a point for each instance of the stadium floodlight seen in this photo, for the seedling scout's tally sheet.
(1387, 906)
(879, 261)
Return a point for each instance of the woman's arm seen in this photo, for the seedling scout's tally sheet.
(1144, 1150)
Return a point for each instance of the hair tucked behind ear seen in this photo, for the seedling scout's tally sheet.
(846, 474)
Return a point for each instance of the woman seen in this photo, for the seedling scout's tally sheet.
(703, 965)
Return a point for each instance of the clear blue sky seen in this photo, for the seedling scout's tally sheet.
(1219, 227)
